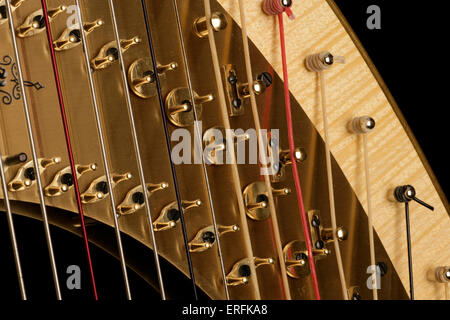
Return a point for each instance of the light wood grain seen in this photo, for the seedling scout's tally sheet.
(353, 90)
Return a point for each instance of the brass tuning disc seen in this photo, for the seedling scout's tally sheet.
(134, 200)
(141, 77)
(240, 273)
(170, 215)
(98, 189)
(257, 201)
(63, 180)
(26, 175)
(218, 22)
(71, 37)
(180, 109)
(109, 53)
(206, 237)
(35, 22)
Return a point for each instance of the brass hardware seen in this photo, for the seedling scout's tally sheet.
(218, 22)
(240, 273)
(179, 107)
(71, 37)
(321, 236)
(285, 160)
(296, 258)
(362, 125)
(237, 92)
(98, 189)
(134, 200)
(215, 144)
(109, 53)
(63, 180)
(258, 88)
(257, 201)
(141, 78)
(206, 237)
(170, 215)
(35, 22)
(26, 175)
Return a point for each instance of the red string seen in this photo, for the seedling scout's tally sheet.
(298, 188)
(69, 146)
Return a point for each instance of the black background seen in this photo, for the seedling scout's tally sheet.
(409, 52)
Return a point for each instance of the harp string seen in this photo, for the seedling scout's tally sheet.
(104, 154)
(69, 148)
(29, 128)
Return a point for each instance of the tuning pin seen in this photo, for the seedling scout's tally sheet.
(109, 53)
(362, 125)
(26, 175)
(135, 198)
(260, 85)
(218, 23)
(63, 180)
(71, 37)
(170, 215)
(179, 106)
(327, 234)
(321, 236)
(407, 193)
(299, 154)
(141, 77)
(442, 274)
(322, 61)
(16, 159)
(98, 189)
(206, 237)
(35, 22)
(257, 201)
(241, 272)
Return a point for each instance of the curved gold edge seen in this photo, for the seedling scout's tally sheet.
(64, 220)
(391, 100)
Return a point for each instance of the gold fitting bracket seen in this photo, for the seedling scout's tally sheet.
(258, 88)
(321, 236)
(35, 22)
(109, 53)
(218, 23)
(141, 77)
(14, 5)
(134, 200)
(71, 37)
(215, 142)
(98, 189)
(206, 237)
(299, 154)
(170, 215)
(296, 258)
(241, 272)
(256, 200)
(26, 175)
(63, 180)
(179, 107)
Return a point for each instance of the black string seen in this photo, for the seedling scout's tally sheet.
(408, 236)
(169, 148)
